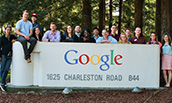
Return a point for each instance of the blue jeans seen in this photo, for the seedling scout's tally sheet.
(5, 65)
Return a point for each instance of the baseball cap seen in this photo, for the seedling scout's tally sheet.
(35, 15)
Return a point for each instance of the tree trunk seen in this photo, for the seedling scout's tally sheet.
(139, 13)
(101, 16)
(165, 17)
(170, 16)
(120, 17)
(110, 15)
(86, 14)
(158, 19)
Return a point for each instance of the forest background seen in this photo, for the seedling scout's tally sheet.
(87, 13)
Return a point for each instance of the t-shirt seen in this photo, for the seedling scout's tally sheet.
(166, 49)
(24, 27)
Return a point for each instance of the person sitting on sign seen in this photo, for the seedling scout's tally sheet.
(106, 38)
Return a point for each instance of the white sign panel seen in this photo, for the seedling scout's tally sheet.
(87, 65)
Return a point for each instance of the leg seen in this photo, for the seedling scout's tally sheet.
(3, 61)
(23, 41)
(165, 76)
(32, 44)
(169, 78)
(6, 69)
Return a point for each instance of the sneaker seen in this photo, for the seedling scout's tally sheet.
(28, 60)
(3, 88)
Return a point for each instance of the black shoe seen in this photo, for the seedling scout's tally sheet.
(3, 88)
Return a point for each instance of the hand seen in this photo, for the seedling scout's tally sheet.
(13, 41)
(108, 41)
(27, 37)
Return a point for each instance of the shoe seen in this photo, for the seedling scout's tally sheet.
(28, 60)
(167, 85)
(3, 88)
(25, 57)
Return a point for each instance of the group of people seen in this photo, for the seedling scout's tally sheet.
(32, 32)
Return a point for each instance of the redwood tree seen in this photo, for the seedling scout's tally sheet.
(139, 13)
(101, 15)
(158, 19)
(165, 17)
(86, 14)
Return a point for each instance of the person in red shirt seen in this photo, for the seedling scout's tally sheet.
(113, 32)
(138, 39)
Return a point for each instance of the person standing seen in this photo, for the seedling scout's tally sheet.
(154, 40)
(96, 33)
(52, 35)
(77, 34)
(34, 18)
(113, 32)
(37, 35)
(124, 39)
(87, 38)
(167, 59)
(68, 34)
(106, 38)
(128, 33)
(138, 39)
(24, 30)
(6, 41)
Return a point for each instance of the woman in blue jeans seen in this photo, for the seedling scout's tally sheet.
(6, 41)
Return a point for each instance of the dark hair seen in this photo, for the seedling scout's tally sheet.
(156, 39)
(53, 23)
(169, 39)
(88, 30)
(127, 29)
(8, 27)
(113, 25)
(95, 28)
(67, 35)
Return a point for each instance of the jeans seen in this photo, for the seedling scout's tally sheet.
(32, 42)
(5, 65)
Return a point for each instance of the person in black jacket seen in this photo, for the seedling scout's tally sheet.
(6, 41)
(77, 35)
(37, 35)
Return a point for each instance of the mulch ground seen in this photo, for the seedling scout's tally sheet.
(108, 96)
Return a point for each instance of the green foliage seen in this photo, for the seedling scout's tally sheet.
(65, 12)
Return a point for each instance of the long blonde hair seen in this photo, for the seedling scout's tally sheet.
(126, 41)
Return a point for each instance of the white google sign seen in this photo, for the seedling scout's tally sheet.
(87, 65)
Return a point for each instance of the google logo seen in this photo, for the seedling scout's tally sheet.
(104, 59)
